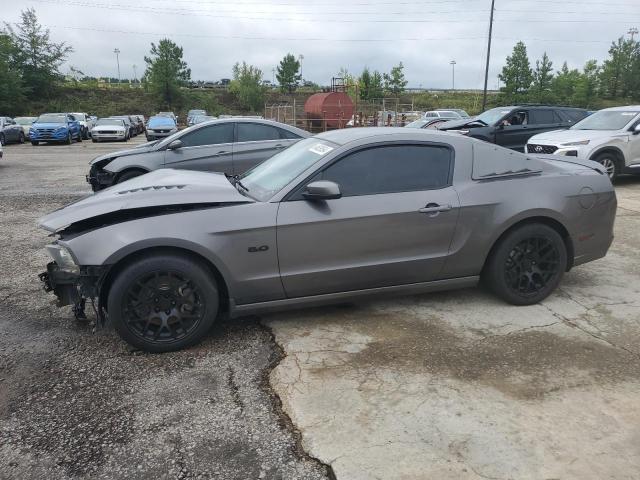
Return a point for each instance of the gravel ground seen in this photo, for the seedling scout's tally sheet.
(76, 402)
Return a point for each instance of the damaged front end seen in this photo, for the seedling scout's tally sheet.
(72, 284)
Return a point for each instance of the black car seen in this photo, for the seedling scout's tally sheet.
(512, 126)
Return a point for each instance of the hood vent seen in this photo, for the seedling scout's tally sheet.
(157, 187)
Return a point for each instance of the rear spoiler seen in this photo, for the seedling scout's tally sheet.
(575, 160)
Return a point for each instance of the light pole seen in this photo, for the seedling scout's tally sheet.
(117, 52)
(273, 76)
(453, 74)
(300, 58)
(135, 75)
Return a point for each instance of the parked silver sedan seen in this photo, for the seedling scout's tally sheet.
(349, 213)
(231, 146)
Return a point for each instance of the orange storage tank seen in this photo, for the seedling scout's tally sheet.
(328, 110)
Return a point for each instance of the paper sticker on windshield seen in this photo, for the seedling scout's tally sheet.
(629, 114)
(320, 149)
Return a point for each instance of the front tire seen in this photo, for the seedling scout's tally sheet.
(35, 143)
(21, 138)
(610, 163)
(527, 265)
(2, 142)
(69, 139)
(163, 302)
(129, 174)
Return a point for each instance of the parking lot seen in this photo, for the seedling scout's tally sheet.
(449, 385)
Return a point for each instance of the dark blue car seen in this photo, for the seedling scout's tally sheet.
(55, 127)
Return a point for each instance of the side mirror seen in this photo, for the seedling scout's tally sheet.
(176, 144)
(636, 130)
(322, 190)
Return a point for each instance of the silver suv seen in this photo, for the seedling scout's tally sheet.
(610, 137)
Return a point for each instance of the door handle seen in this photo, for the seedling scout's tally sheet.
(435, 209)
(221, 152)
(279, 146)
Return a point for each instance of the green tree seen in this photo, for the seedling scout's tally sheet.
(37, 57)
(166, 71)
(620, 72)
(542, 80)
(376, 89)
(586, 89)
(394, 82)
(247, 86)
(11, 87)
(365, 84)
(288, 73)
(564, 84)
(350, 82)
(516, 75)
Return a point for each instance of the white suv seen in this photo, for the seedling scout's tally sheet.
(610, 137)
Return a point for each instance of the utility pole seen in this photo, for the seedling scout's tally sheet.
(486, 70)
(453, 74)
(633, 32)
(273, 76)
(135, 75)
(117, 52)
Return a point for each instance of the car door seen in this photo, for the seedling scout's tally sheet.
(393, 224)
(633, 149)
(543, 120)
(513, 132)
(255, 142)
(11, 131)
(208, 148)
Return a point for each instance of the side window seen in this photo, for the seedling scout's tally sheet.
(211, 135)
(253, 132)
(393, 168)
(70, 118)
(558, 118)
(541, 117)
(516, 118)
(287, 134)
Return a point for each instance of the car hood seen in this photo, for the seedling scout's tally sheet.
(110, 127)
(558, 137)
(160, 191)
(455, 124)
(146, 147)
(48, 125)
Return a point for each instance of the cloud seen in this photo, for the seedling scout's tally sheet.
(424, 35)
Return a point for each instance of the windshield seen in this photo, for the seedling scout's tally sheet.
(417, 124)
(269, 177)
(161, 122)
(79, 116)
(110, 121)
(24, 120)
(52, 118)
(490, 117)
(606, 120)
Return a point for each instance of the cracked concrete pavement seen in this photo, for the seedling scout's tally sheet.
(78, 404)
(458, 385)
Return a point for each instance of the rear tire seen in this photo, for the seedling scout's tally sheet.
(35, 143)
(94, 140)
(21, 138)
(527, 265)
(2, 142)
(611, 164)
(163, 302)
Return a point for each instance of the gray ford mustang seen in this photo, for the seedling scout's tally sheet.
(344, 214)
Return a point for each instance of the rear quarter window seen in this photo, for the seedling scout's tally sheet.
(491, 161)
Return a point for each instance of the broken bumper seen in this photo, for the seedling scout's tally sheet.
(65, 285)
(99, 179)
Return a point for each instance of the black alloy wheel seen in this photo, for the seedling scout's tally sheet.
(531, 264)
(163, 303)
(527, 264)
(21, 137)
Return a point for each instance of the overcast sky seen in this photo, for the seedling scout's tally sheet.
(424, 34)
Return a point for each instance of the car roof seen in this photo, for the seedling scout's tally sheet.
(262, 121)
(633, 108)
(346, 135)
